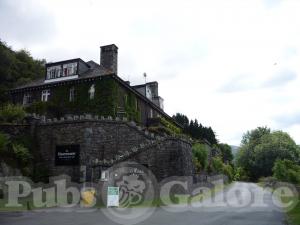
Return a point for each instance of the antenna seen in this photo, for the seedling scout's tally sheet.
(145, 76)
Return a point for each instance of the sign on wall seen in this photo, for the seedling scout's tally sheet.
(67, 155)
(112, 196)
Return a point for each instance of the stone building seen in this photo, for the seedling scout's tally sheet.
(77, 87)
(86, 118)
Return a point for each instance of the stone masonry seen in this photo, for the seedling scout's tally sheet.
(106, 141)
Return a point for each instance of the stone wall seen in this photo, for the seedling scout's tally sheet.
(109, 141)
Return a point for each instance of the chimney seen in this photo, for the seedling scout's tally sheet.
(109, 57)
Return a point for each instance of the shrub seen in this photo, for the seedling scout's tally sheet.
(200, 156)
(21, 153)
(287, 171)
(217, 165)
(12, 113)
(3, 142)
(228, 171)
(240, 174)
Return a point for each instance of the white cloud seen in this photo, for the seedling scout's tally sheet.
(233, 65)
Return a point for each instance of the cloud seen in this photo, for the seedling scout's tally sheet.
(288, 119)
(197, 51)
(280, 79)
(271, 3)
(238, 84)
(25, 22)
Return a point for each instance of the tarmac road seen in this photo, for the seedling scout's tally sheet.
(239, 209)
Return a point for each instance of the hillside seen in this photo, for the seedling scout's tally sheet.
(234, 149)
(17, 67)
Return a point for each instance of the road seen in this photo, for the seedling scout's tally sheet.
(239, 210)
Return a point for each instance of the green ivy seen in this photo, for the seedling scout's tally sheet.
(131, 108)
(170, 126)
(105, 101)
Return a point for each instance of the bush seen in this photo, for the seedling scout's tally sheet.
(3, 142)
(240, 174)
(228, 171)
(200, 156)
(287, 171)
(217, 165)
(12, 113)
(21, 153)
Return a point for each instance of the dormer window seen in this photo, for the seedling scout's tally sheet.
(69, 69)
(92, 91)
(45, 95)
(63, 71)
(53, 72)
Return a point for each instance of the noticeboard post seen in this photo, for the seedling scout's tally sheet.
(113, 197)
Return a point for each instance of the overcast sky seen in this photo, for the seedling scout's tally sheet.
(234, 65)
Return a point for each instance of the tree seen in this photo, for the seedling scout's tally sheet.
(287, 171)
(217, 165)
(195, 129)
(199, 156)
(17, 68)
(226, 153)
(261, 148)
(240, 174)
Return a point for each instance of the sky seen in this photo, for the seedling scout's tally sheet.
(234, 65)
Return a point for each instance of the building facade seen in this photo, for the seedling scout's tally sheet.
(77, 87)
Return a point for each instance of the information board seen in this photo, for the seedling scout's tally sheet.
(112, 196)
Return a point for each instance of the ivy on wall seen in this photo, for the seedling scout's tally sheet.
(105, 101)
(131, 107)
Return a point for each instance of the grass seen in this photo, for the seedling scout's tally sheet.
(294, 214)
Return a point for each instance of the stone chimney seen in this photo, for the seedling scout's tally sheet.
(109, 57)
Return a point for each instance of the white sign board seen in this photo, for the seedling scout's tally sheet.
(113, 196)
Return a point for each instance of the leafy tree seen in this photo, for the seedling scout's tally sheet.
(226, 153)
(240, 174)
(11, 113)
(217, 165)
(287, 171)
(200, 156)
(228, 171)
(261, 148)
(17, 68)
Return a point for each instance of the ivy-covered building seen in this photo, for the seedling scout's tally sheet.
(78, 87)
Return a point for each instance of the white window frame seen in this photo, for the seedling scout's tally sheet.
(71, 69)
(72, 94)
(151, 113)
(27, 98)
(54, 72)
(104, 175)
(92, 91)
(45, 95)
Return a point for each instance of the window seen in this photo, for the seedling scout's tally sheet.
(92, 91)
(53, 72)
(151, 113)
(27, 99)
(69, 69)
(45, 95)
(104, 175)
(72, 94)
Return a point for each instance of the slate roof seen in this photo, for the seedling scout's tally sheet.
(95, 70)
